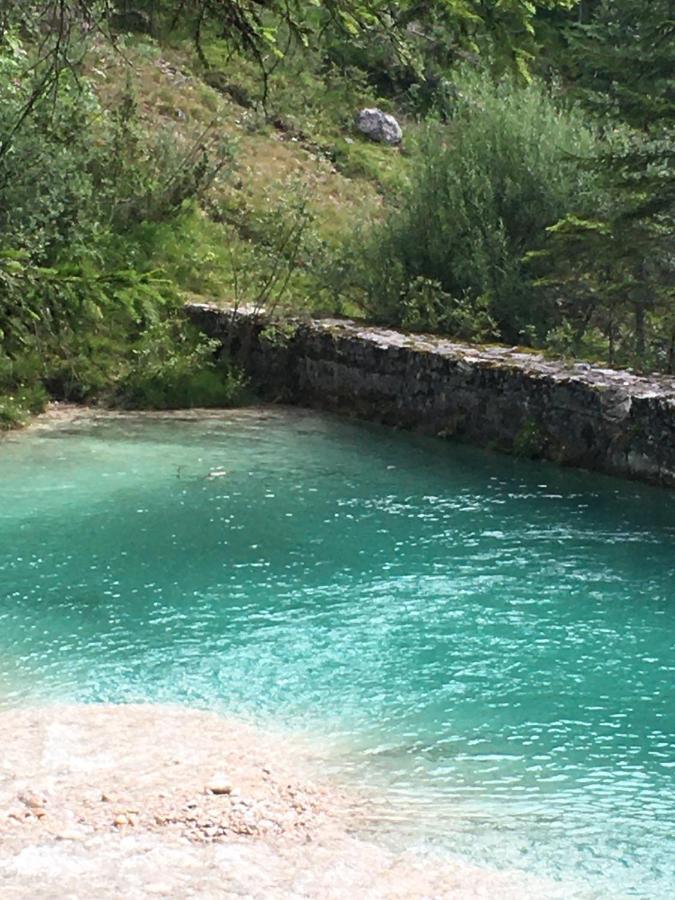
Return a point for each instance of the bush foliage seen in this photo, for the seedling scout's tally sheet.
(78, 307)
(483, 190)
(511, 213)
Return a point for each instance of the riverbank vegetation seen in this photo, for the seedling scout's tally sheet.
(152, 151)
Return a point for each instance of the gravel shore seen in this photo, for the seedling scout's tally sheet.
(155, 801)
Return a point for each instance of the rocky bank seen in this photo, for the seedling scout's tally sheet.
(156, 801)
(506, 398)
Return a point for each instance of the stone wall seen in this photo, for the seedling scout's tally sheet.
(519, 402)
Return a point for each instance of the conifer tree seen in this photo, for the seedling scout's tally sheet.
(621, 260)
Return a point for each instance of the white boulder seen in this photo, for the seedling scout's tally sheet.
(379, 126)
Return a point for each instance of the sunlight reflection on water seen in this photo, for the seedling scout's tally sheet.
(486, 642)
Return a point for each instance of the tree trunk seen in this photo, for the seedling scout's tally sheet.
(639, 331)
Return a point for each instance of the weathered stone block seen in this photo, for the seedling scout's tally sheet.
(573, 414)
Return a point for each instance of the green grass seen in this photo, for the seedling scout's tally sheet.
(304, 143)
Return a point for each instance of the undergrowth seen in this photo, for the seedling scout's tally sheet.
(137, 171)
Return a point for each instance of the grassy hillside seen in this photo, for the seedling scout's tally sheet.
(298, 165)
(189, 189)
(154, 152)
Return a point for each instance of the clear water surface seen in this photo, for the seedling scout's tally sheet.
(490, 640)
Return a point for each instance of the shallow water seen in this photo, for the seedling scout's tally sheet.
(488, 641)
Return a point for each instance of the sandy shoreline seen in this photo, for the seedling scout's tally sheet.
(117, 801)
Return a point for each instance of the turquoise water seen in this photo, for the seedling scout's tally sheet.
(490, 641)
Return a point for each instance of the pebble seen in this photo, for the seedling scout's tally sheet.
(120, 820)
(68, 836)
(219, 785)
(32, 800)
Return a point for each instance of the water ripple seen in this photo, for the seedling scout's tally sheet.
(488, 642)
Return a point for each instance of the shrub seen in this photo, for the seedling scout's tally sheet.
(84, 194)
(482, 192)
(173, 366)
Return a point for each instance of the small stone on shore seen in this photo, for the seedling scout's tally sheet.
(68, 836)
(33, 801)
(219, 785)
